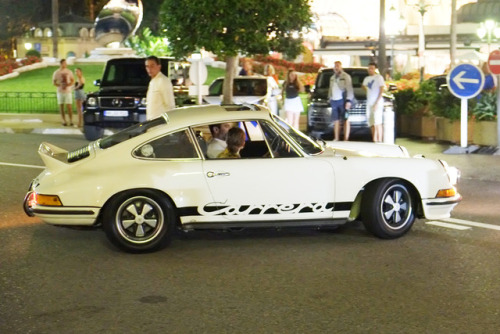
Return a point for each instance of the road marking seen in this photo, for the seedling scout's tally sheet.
(448, 225)
(20, 165)
(476, 224)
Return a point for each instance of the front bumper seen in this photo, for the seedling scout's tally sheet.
(439, 208)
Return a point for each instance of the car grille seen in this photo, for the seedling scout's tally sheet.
(320, 117)
(117, 102)
(79, 154)
(357, 114)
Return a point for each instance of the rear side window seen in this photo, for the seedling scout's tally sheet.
(177, 145)
(216, 88)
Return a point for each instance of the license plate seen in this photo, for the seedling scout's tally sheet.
(357, 118)
(116, 113)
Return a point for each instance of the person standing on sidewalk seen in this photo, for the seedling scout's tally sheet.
(341, 95)
(63, 79)
(293, 104)
(79, 94)
(160, 97)
(374, 85)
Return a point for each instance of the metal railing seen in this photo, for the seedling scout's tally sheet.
(28, 102)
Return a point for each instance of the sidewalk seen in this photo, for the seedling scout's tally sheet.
(35, 123)
(474, 166)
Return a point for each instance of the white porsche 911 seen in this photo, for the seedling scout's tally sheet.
(143, 183)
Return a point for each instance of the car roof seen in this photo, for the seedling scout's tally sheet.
(193, 115)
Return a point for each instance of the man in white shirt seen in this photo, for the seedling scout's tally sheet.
(63, 79)
(374, 86)
(160, 96)
(341, 95)
(218, 142)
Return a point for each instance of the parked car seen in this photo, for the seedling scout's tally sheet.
(247, 89)
(319, 113)
(142, 183)
(121, 98)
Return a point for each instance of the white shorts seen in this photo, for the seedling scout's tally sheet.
(64, 98)
(375, 117)
(293, 105)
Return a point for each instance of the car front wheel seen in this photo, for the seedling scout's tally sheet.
(140, 221)
(388, 209)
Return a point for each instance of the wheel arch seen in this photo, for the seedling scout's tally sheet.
(356, 206)
(132, 190)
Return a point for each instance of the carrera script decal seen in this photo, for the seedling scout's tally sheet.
(216, 209)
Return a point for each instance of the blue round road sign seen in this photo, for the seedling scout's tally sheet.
(465, 81)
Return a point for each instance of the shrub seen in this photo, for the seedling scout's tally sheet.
(402, 99)
(33, 53)
(486, 107)
(447, 105)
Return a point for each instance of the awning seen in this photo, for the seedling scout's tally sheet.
(479, 11)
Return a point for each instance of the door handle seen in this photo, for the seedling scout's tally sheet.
(213, 174)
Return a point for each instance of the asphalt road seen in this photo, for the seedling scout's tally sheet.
(436, 279)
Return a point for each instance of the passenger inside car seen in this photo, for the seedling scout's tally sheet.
(235, 142)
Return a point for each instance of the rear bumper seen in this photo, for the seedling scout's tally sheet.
(70, 216)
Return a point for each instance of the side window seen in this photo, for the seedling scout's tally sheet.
(176, 145)
(278, 145)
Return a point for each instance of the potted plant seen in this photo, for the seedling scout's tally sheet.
(447, 109)
(485, 116)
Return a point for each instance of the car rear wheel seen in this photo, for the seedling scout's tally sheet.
(92, 132)
(388, 209)
(139, 221)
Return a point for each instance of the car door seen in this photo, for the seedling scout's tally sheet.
(269, 183)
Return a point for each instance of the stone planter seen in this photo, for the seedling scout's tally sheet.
(449, 131)
(423, 127)
(403, 125)
(485, 133)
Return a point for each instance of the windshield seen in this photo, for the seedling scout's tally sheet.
(306, 143)
(125, 74)
(130, 132)
(323, 83)
(241, 87)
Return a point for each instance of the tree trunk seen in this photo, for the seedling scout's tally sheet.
(227, 88)
(453, 33)
(382, 60)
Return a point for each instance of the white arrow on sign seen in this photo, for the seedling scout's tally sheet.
(458, 80)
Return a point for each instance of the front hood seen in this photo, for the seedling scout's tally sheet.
(123, 91)
(365, 149)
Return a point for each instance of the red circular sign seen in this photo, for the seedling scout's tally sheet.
(494, 62)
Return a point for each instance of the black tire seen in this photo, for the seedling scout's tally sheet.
(92, 132)
(388, 209)
(139, 221)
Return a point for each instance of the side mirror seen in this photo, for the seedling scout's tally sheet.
(97, 82)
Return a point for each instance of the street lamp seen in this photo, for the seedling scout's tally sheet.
(395, 26)
(422, 6)
(488, 30)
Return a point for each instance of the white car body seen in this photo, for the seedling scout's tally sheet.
(317, 186)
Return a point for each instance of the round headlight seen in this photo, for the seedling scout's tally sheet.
(92, 101)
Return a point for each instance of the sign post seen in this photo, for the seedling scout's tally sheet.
(198, 76)
(465, 81)
(494, 65)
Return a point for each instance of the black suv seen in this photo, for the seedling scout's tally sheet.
(319, 113)
(121, 98)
